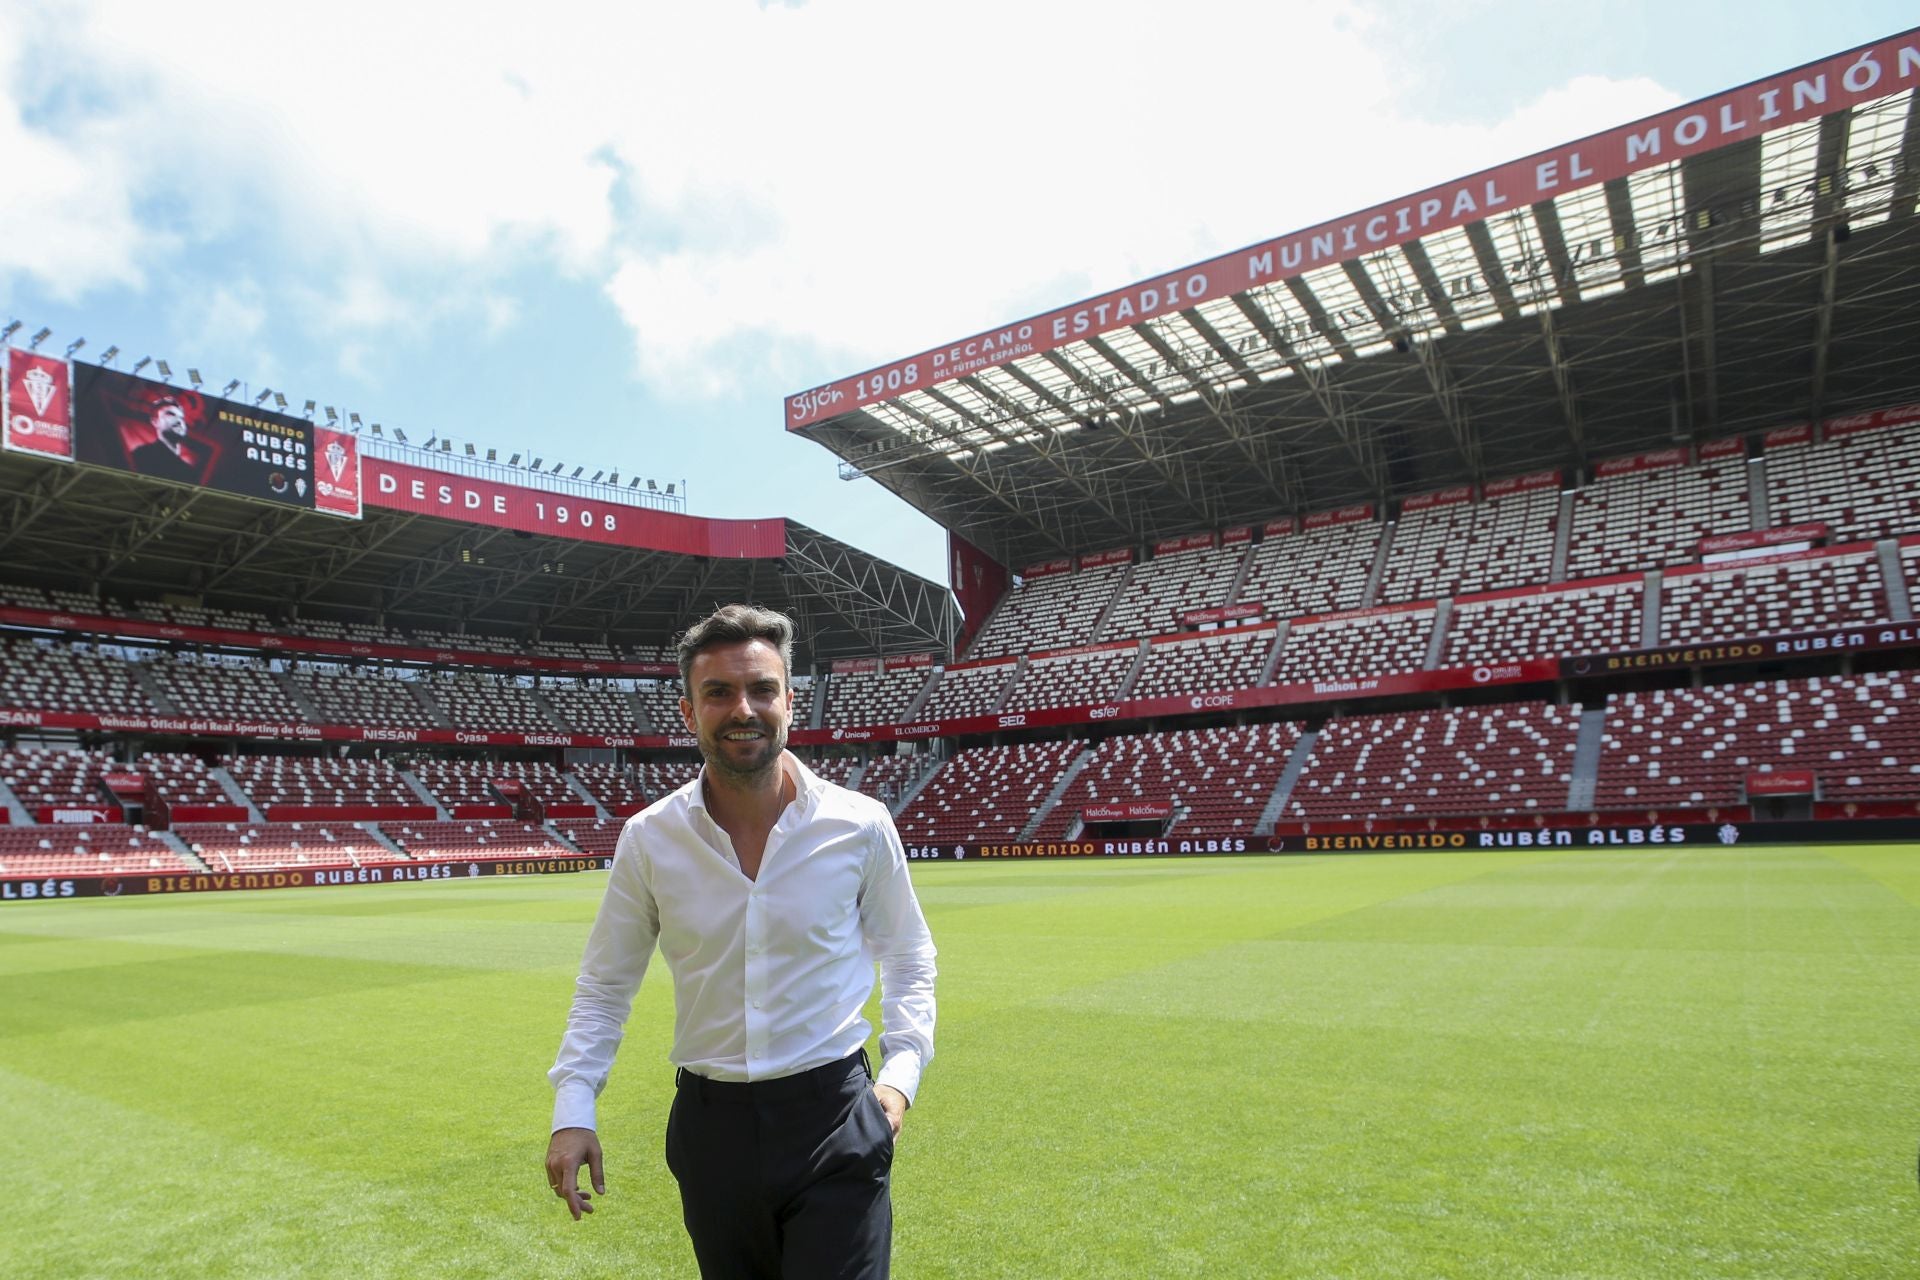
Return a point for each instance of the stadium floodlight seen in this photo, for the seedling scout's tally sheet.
(514, 461)
(333, 415)
(229, 388)
(598, 476)
(613, 477)
(193, 376)
(354, 418)
(446, 446)
(106, 358)
(536, 464)
(142, 363)
(433, 438)
(262, 397)
(652, 487)
(669, 488)
(493, 455)
(164, 369)
(40, 337)
(399, 435)
(469, 448)
(558, 467)
(75, 345)
(307, 410)
(13, 327)
(279, 400)
(634, 483)
(576, 473)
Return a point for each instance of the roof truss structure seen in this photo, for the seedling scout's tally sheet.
(84, 529)
(1766, 281)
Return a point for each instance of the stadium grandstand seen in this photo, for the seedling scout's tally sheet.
(1580, 493)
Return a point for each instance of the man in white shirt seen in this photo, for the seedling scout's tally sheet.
(771, 895)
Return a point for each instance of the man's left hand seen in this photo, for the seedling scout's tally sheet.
(894, 1103)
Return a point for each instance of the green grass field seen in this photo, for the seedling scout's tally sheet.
(1672, 1062)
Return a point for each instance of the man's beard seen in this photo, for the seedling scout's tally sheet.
(764, 756)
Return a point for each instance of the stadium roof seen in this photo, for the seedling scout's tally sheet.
(77, 527)
(1740, 262)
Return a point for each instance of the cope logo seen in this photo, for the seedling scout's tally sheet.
(1201, 701)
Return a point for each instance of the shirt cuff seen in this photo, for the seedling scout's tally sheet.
(573, 1106)
(901, 1071)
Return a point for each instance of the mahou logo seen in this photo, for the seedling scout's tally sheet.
(40, 388)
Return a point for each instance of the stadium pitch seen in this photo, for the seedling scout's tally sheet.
(1664, 1062)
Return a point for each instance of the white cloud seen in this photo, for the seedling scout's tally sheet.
(769, 195)
(923, 175)
(67, 220)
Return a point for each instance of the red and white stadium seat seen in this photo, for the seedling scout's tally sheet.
(1072, 681)
(1166, 586)
(1510, 758)
(38, 676)
(256, 846)
(78, 849)
(1555, 623)
(473, 838)
(1204, 663)
(1472, 546)
(1772, 599)
(1349, 648)
(1863, 486)
(1318, 571)
(871, 697)
(367, 695)
(968, 691)
(1219, 779)
(319, 782)
(1053, 611)
(223, 689)
(1650, 519)
(615, 786)
(985, 793)
(1859, 735)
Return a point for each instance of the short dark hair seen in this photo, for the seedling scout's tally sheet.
(736, 624)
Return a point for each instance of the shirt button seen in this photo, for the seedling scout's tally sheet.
(756, 1004)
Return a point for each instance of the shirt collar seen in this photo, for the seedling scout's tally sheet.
(807, 787)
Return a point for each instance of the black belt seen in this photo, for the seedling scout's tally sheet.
(827, 1078)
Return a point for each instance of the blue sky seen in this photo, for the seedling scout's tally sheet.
(619, 234)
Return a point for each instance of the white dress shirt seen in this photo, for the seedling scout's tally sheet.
(770, 975)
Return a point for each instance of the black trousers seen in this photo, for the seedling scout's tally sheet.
(785, 1179)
